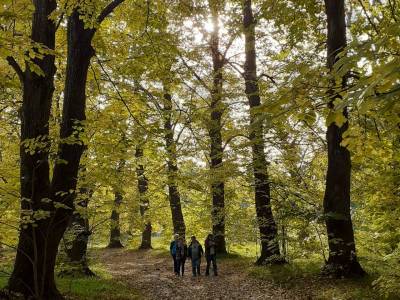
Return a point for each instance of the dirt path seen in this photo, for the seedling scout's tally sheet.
(152, 276)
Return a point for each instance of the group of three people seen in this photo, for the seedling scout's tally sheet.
(180, 251)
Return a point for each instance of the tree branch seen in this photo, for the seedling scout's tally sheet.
(232, 138)
(13, 63)
(108, 10)
(267, 76)
(232, 39)
(197, 76)
(371, 22)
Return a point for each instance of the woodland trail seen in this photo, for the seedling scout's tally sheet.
(152, 276)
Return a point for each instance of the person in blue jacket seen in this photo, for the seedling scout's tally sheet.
(181, 253)
(173, 251)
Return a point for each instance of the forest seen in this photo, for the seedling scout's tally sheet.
(272, 125)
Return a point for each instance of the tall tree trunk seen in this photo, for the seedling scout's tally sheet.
(115, 231)
(172, 169)
(342, 259)
(65, 175)
(33, 273)
(215, 127)
(267, 226)
(76, 250)
(143, 200)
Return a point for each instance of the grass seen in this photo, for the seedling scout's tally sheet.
(303, 275)
(103, 287)
(90, 288)
(95, 288)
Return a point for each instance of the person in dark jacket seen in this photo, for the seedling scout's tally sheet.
(211, 254)
(172, 250)
(195, 253)
(181, 254)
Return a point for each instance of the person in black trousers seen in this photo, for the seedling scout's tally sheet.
(195, 252)
(210, 255)
(181, 254)
(172, 251)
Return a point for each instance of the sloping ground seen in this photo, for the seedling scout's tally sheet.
(152, 275)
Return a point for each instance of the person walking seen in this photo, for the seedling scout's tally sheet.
(172, 250)
(181, 254)
(195, 253)
(211, 255)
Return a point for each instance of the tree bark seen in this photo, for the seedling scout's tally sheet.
(172, 169)
(71, 147)
(143, 200)
(342, 261)
(33, 273)
(76, 250)
(115, 231)
(268, 230)
(215, 127)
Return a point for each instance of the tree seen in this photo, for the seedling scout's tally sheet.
(115, 231)
(76, 249)
(342, 259)
(34, 274)
(47, 206)
(267, 226)
(143, 200)
(172, 168)
(215, 126)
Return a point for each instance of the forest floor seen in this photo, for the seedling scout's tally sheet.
(150, 273)
(153, 277)
(125, 274)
